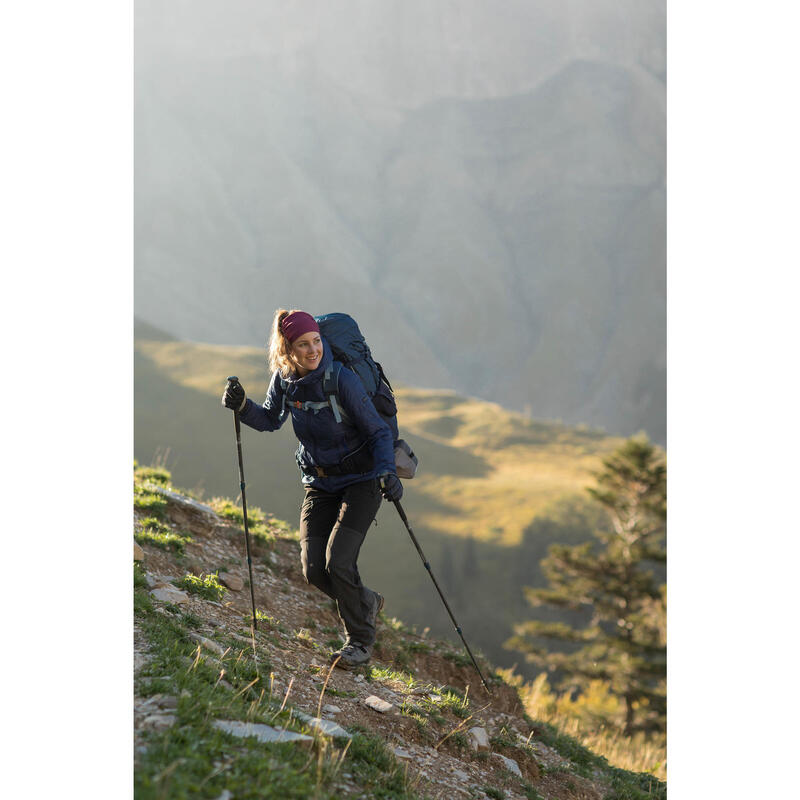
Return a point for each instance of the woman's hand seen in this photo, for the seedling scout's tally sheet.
(234, 396)
(391, 488)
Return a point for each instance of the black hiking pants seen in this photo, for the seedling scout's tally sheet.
(332, 530)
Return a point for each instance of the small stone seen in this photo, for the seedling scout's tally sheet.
(264, 733)
(376, 704)
(160, 722)
(332, 709)
(233, 582)
(359, 679)
(226, 795)
(169, 594)
(509, 764)
(461, 775)
(401, 753)
(207, 643)
(138, 553)
(478, 739)
(435, 698)
(327, 726)
(167, 702)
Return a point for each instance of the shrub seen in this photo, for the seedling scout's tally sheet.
(207, 586)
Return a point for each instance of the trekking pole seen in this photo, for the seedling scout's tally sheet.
(436, 584)
(234, 379)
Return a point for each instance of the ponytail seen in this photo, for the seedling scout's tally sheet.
(278, 347)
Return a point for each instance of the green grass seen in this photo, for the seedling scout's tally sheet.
(206, 586)
(530, 792)
(139, 581)
(261, 529)
(340, 692)
(192, 759)
(157, 475)
(383, 674)
(305, 638)
(624, 784)
(375, 768)
(272, 623)
(149, 502)
(152, 531)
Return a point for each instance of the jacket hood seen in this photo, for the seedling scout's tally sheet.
(316, 374)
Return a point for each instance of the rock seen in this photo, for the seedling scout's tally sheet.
(170, 594)
(435, 698)
(167, 701)
(478, 739)
(509, 764)
(332, 709)
(359, 679)
(233, 582)
(327, 726)
(264, 733)
(226, 795)
(207, 643)
(376, 704)
(461, 775)
(138, 553)
(160, 722)
(401, 753)
(186, 503)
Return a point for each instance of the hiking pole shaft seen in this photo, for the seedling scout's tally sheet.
(436, 584)
(244, 504)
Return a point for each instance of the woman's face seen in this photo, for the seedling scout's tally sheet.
(307, 352)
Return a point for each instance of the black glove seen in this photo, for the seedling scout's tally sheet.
(391, 488)
(234, 396)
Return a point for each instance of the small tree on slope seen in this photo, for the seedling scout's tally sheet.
(624, 641)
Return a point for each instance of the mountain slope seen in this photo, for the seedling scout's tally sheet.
(486, 188)
(200, 679)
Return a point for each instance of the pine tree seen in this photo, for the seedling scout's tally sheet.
(614, 579)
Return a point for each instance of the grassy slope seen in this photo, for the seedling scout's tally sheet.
(220, 676)
(494, 488)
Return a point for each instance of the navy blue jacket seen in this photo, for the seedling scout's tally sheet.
(323, 441)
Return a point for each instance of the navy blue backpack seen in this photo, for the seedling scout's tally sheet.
(350, 349)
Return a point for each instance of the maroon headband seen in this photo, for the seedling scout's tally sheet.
(298, 323)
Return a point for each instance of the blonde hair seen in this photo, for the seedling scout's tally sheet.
(279, 346)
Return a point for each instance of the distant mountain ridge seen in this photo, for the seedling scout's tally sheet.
(494, 217)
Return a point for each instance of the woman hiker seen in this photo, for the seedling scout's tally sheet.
(343, 465)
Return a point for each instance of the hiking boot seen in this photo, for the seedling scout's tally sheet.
(376, 609)
(352, 655)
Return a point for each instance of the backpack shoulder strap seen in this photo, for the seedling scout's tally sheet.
(330, 386)
(283, 397)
